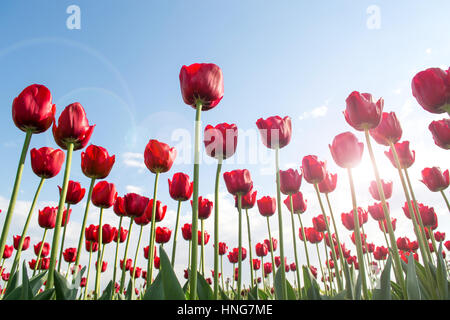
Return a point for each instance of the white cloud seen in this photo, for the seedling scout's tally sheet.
(428, 51)
(316, 112)
(134, 189)
(134, 160)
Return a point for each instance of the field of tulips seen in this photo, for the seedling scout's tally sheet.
(400, 268)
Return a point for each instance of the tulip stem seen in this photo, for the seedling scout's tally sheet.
(83, 226)
(99, 255)
(68, 269)
(59, 217)
(240, 248)
(152, 235)
(174, 247)
(63, 237)
(359, 251)
(294, 240)
(216, 231)
(250, 251)
(25, 228)
(271, 249)
(263, 276)
(117, 250)
(202, 255)
(88, 270)
(446, 200)
(124, 262)
(433, 242)
(40, 252)
(193, 274)
(304, 241)
(280, 226)
(321, 268)
(221, 271)
(136, 257)
(12, 201)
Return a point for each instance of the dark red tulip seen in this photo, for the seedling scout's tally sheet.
(403, 244)
(267, 206)
(5, 276)
(74, 192)
(256, 264)
(96, 162)
(231, 257)
(313, 236)
(108, 233)
(25, 244)
(137, 272)
(70, 255)
(220, 141)
(206, 237)
(441, 133)
(65, 217)
(73, 127)
(33, 109)
(7, 252)
(180, 188)
(387, 189)
(290, 181)
(439, 236)
(362, 112)
(146, 252)
(120, 236)
(431, 88)
(348, 219)
(119, 208)
(135, 204)
(47, 217)
(128, 264)
(389, 130)
(274, 244)
(162, 234)
(201, 83)
(298, 203)
(278, 261)
(104, 194)
(235, 253)
(447, 245)
(346, 150)
(204, 208)
(91, 233)
(429, 217)
(186, 231)
(376, 211)
(46, 162)
(333, 239)
(45, 249)
(275, 131)
(406, 157)
(382, 224)
(247, 200)
(104, 266)
(90, 245)
(380, 253)
(261, 249)
(363, 239)
(267, 268)
(238, 182)
(319, 223)
(313, 170)
(405, 256)
(434, 179)
(223, 248)
(328, 184)
(142, 220)
(83, 282)
(186, 274)
(293, 267)
(44, 264)
(406, 209)
(158, 156)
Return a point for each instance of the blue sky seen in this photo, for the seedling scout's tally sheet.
(293, 58)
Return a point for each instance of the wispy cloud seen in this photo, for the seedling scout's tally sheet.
(134, 160)
(134, 189)
(316, 112)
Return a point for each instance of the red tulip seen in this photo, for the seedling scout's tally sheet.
(434, 179)
(104, 265)
(73, 127)
(429, 217)
(441, 133)
(204, 208)
(362, 112)
(376, 211)
(128, 264)
(96, 162)
(405, 156)
(363, 240)
(247, 200)
(406, 209)
(186, 231)
(142, 220)
(267, 268)
(319, 223)
(447, 245)
(108, 233)
(121, 235)
(346, 150)
(387, 189)
(275, 131)
(274, 244)
(158, 156)
(313, 170)
(65, 217)
(47, 217)
(119, 208)
(90, 245)
(91, 233)
(201, 83)
(238, 182)
(25, 244)
(333, 239)
(135, 204)
(231, 257)
(431, 88)
(267, 206)
(180, 188)
(186, 274)
(235, 253)
(46, 162)
(256, 264)
(220, 141)
(278, 261)
(348, 219)
(380, 253)
(439, 236)
(328, 184)
(261, 249)
(83, 282)
(70, 255)
(313, 236)
(290, 181)
(146, 252)
(104, 194)
(404, 255)
(74, 192)
(298, 203)
(206, 237)
(7, 252)
(382, 224)
(403, 244)
(293, 266)
(389, 130)
(414, 245)
(223, 248)
(162, 235)
(33, 109)
(45, 248)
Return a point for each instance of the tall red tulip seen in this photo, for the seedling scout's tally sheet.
(247, 200)
(160, 211)
(261, 249)
(362, 112)
(290, 181)
(348, 219)
(135, 204)
(389, 130)
(376, 211)
(120, 235)
(7, 253)
(328, 184)
(387, 189)
(119, 208)
(47, 217)
(346, 150)
(405, 155)
(104, 194)
(435, 179)
(319, 223)
(75, 192)
(275, 131)
(25, 245)
(267, 206)
(45, 248)
(96, 163)
(186, 231)
(180, 188)
(299, 203)
(223, 248)
(431, 88)
(313, 170)
(440, 130)
(162, 234)
(159, 157)
(238, 182)
(274, 243)
(220, 141)
(204, 208)
(46, 162)
(69, 255)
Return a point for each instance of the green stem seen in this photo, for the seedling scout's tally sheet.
(99, 255)
(240, 248)
(446, 200)
(321, 269)
(250, 252)
(25, 228)
(136, 257)
(68, 270)
(12, 201)
(124, 263)
(174, 247)
(88, 271)
(216, 231)
(59, 217)
(304, 241)
(63, 238)
(117, 251)
(433, 243)
(152, 235)
(271, 249)
(202, 255)
(221, 271)
(294, 240)
(40, 252)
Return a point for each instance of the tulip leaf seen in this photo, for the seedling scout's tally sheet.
(412, 282)
(186, 286)
(36, 282)
(156, 290)
(384, 292)
(223, 295)
(204, 290)
(26, 289)
(12, 283)
(129, 294)
(441, 275)
(172, 287)
(62, 289)
(358, 287)
(253, 294)
(290, 291)
(45, 295)
(108, 292)
(311, 287)
(277, 285)
(340, 296)
(348, 283)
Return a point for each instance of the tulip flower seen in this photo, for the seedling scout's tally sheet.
(387, 189)
(406, 157)
(436, 181)
(440, 131)
(247, 200)
(256, 264)
(439, 236)
(120, 235)
(103, 268)
(328, 184)
(290, 181)
(267, 206)
(380, 253)
(25, 244)
(313, 170)
(91, 246)
(74, 192)
(8, 252)
(431, 89)
(70, 255)
(388, 131)
(162, 235)
(267, 268)
(96, 162)
(362, 112)
(46, 162)
(383, 225)
(319, 223)
(220, 141)
(47, 217)
(299, 203)
(261, 249)
(186, 231)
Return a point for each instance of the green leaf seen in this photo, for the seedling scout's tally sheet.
(262, 294)
(223, 295)
(204, 290)
(412, 283)
(358, 287)
(277, 285)
(384, 293)
(45, 295)
(253, 294)
(186, 286)
(311, 286)
(441, 275)
(108, 292)
(350, 294)
(340, 296)
(129, 295)
(156, 290)
(26, 289)
(290, 291)
(13, 282)
(36, 282)
(62, 289)
(172, 287)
